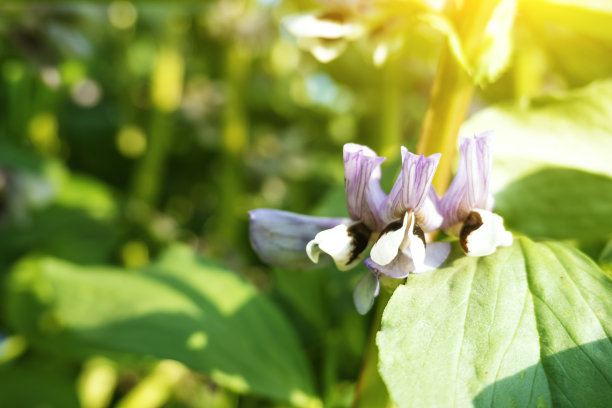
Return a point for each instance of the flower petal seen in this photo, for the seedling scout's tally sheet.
(322, 49)
(388, 244)
(399, 268)
(435, 255)
(404, 264)
(318, 25)
(366, 290)
(346, 244)
(413, 184)
(482, 232)
(280, 237)
(364, 196)
(470, 189)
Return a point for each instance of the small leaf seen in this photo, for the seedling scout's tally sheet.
(183, 308)
(492, 56)
(527, 326)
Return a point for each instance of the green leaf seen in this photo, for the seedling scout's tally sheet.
(572, 130)
(558, 203)
(183, 308)
(54, 211)
(527, 326)
(37, 385)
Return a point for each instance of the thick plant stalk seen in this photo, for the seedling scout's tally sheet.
(450, 97)
(452, 91)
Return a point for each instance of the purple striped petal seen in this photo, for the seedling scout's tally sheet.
(364, 196)
(280, 237)
(428, 217)
(412, 185)
(470, 189)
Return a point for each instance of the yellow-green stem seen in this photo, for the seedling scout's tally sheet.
(450, 97)
(452, 90)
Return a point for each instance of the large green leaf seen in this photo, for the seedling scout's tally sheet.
(558, 203)
(570, 130)
(54, 211)
(527, 326)
(183, 308)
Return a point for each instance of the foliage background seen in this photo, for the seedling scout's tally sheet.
(135, 135)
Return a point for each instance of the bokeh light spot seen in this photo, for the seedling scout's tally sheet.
(197, 340)
(42, 131)
(86, 93)
(135, 254)
(122, 14)
(131, 141)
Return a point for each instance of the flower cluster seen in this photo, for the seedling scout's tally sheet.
(392, 226)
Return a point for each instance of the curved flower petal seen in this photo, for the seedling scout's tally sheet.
(280, 237)
(390, 240)
(435, 255)
(346, 244)
(400, 242)
(412, 186)
(364, 196)
(482, 232)
(366, 290)
(470, 188)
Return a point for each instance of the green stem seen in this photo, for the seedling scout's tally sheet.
(149, 172)
(166, 91)
(450, 97)
(235, 139)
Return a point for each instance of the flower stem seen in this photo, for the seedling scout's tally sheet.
(370, 390)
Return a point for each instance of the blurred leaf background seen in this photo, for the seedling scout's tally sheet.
(135, 136)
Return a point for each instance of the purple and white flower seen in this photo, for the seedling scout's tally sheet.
(467, 204)
(394, 224)
(401, 247)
